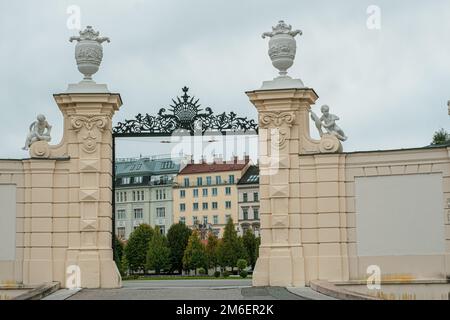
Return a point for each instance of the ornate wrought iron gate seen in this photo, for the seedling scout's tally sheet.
(184, 116)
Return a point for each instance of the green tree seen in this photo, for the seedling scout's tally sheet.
(251, 247)
(118, 253)
(194, 256)
(231, 247)
(178, 236)
(137, 247)
(441, 137)
(158, 254)
(211, 250)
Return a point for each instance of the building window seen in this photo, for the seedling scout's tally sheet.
(208, 181)
(228, 190)
(256, 213)
(205, 220)
(216, 219)
(117, 197)
(121, 197)
(195, 193)
(138, 196)
(244, 213)
(167, 165)
(138, 214)
(183, 220)
(137, 180)
(245, 197)
(182, 193)
(186, 182)
(121, 215)
(227, 204)
(205, 192)
(199, 181)
(182, 207)
(214, 192)
(194, 220)
(161, 212)
(125, 196)
(126, 180)
(218, 179)
(214, 205)
(195, 206)
(227, 217)
(205, 205)
(255, 196)
(134, 196)
(121, 232)
(142, 195)
(231, 178)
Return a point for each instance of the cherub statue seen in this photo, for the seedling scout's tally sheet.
(39, 130)
(328, 121)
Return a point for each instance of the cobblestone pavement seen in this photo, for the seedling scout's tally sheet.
(186, 290)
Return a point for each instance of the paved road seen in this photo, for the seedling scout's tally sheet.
(186, 290)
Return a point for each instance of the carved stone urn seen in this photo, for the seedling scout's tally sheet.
(282, 46)
(89, 52)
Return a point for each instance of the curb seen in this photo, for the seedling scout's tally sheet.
(330, 289)
(39, 292)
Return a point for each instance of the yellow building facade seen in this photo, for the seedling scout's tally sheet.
(205, 195)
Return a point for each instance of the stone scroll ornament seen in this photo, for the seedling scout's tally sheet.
(282, 46)
(90, 130)
(89, 52)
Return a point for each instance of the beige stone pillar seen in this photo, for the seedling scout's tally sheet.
(88, 142)
(68, 197)
(283, 121)
(301, 222)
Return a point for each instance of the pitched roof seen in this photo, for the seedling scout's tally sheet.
(251, 176)
(193, 168)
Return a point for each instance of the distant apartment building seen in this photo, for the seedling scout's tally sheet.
(206, 194)
(248, 201)
(143, 191)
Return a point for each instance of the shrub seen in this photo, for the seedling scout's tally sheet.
(226, 274)
(241, 264)
(217, 274)
(243, 274)
(201, 271)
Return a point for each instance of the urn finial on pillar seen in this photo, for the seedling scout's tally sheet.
(282, 50)
(89, 55)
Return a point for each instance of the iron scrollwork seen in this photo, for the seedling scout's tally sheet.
(184, 113)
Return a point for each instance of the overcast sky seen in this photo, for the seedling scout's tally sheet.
(389, 86)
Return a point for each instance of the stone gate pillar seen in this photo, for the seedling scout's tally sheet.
(69, 185)
(284, 111)
(283, 114)
(87, 134)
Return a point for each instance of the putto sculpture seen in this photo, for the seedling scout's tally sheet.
(89, 52)
(282, 46)
(328, 121)
(39, 131)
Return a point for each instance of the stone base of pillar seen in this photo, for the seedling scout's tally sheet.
(96, 269)
(280, 267)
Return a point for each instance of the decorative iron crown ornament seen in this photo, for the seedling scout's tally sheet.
(185, 114)
(89, 52)
(282, 46)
